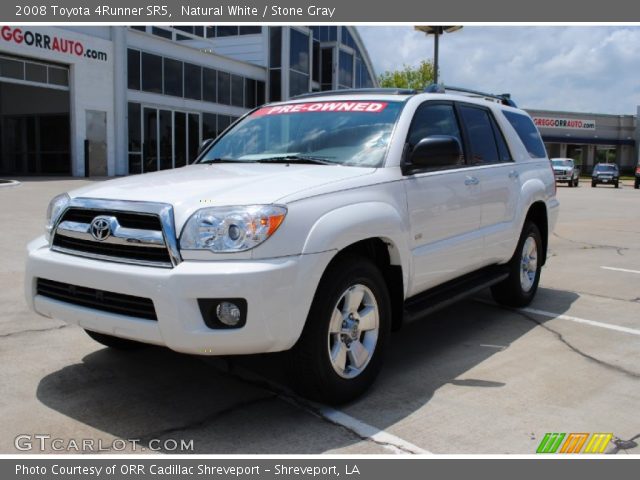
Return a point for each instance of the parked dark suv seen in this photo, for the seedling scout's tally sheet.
(636, 184)
(606, 173)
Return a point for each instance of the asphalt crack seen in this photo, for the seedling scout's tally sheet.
(590, 245)
(208, 419)
(33, 330)
(575, 349)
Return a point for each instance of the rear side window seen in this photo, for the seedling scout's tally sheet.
(528, 133)
(481, 136)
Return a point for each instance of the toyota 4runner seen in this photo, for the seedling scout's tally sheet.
(315, 225)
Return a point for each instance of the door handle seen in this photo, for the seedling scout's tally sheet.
(471, 181)
(513, 174)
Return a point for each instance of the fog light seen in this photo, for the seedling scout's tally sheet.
(228, 313)
(223, 313)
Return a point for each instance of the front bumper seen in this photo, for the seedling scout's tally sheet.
(604, 179)
(278, 292)
(563, 176)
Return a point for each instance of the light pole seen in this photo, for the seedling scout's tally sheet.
(436, 31)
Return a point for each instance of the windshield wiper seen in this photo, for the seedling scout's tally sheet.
(309, 159)
(223, 160)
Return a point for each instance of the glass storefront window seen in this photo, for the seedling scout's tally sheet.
(209, 85)
(133, 69)
(275, 87)
(173, 77)
(237, 91)
(249, 93)
(345, 71)
(298, 83)
(224, 88)
(299, 51)
(59, 76)
(151, 73)
(275, 47)
(192, 81)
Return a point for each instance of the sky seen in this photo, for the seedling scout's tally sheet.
(582, 69)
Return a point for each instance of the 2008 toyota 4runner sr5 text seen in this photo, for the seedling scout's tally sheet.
(316, 225)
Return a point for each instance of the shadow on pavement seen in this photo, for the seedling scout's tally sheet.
(156, 393)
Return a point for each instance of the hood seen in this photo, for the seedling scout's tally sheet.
(195, 186)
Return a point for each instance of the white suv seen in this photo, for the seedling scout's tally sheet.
(316, 225)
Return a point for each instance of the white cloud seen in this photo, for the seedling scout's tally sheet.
(588, 69)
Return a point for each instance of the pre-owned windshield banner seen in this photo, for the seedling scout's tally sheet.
(307, 11)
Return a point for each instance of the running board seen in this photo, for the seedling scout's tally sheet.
(451, 292)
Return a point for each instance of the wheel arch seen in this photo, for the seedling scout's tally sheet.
(537, 214)
(381, 252)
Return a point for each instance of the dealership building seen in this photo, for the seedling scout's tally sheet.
(115, 100)
(590, 138)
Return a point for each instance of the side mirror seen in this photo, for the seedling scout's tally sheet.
(435, 151)
(204, 145)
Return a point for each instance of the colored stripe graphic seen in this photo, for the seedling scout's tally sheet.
(598, 443)
(550, 443)
(574, 443)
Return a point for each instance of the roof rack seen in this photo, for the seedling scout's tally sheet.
(351, 91)
(504, 98)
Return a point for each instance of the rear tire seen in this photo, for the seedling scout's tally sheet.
(519, 288)
(577, 182)
(636, 185)
(328, 363)
(116, 343)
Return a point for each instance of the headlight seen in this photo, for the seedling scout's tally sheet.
(231, 229)
(55, 208)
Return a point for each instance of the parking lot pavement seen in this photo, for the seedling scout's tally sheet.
(474, 378)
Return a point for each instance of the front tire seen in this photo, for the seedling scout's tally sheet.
(519, 288)
(341, 349)
(116, 343)
(593, 184)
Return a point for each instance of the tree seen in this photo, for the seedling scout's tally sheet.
(408, 77)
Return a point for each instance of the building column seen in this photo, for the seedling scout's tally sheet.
(637, 147)
(563, 150)
(119, 35)
(590, 156)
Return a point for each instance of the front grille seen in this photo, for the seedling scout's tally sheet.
(129, 252)
(135, 237)
(141, 221)
(97, 299)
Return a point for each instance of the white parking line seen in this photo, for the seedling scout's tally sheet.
(364, 430)
(584, 321)
(621, 269)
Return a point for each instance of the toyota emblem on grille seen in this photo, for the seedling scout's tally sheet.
(100, 228)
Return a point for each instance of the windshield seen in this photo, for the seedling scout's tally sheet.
(354, 133)
(606, 168)
(562, 162)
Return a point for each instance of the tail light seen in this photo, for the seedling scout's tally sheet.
(638, 170)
